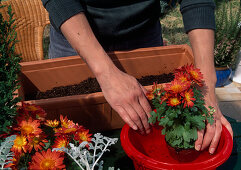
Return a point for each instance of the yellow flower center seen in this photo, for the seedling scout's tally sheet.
(19, 141)
(64, 124)
(187, 96)
(194, 74)
(176, 88)
(63, 144)
(83, 137)
(47, 164)
(27, 129)
(35, 140)
(174, 101)
(183, 79)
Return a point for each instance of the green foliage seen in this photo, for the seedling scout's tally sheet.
(179, 107)
(228, 34)
(181, 124)
(5, 154)
(9, 69)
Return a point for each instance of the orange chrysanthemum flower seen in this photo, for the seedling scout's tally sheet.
(188, 98)
(60, 142)
(156, 89)
(195, 74)
(64, 131)
(165, 97)
(176, 86)
(65, 123)
(29, 127)
(181, 69)
(31, 107)
(31, 110)
(173, 101)
(52, 123)
(20, 144)
(82, 135)
(47, 160)
(36, 142)
(67, 127)
(180, 76)
(150, 95)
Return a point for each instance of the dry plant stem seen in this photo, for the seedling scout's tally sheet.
(202, 41)
(121, 91)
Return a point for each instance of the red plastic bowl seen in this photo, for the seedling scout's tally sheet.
(150, 151)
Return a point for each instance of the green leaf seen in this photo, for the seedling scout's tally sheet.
(163, 131)
(177, 142)
(197, 121)
(153, 117)
(164, 121)
(194, 109)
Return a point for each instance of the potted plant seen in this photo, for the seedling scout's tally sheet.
(92, 110)
(9, 70)
(180, 110)
(227, 40)
(178, 113)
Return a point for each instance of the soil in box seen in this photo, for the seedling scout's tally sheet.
(91, 86)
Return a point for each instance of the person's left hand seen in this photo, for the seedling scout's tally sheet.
(212, 133)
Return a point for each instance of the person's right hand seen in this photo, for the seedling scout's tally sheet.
(122, 92)
(127, 97)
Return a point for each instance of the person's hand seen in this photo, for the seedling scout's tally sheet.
(212, 133)
(127, 97)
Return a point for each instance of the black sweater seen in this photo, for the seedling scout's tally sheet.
(121, 19)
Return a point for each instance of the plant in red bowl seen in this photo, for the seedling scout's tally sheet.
(180, 110)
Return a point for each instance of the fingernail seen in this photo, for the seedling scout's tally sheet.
(148, 131)
(134, 127)
(211, 151)
(198, 147)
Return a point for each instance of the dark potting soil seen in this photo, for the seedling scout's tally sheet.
(91, 85)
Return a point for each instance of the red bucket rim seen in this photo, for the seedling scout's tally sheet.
(214, 162)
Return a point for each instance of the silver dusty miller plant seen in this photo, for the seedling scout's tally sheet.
(5, 154)
(88, 159)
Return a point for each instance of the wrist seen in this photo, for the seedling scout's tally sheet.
(209, 75)
(102, 66)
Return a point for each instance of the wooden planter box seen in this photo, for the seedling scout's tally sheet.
(92, 110)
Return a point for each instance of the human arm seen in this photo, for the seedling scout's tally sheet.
(202, 41)
(123, 92)
(199, 23)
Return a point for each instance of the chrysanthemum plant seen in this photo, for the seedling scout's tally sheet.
(179, 107)
(37, 140)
